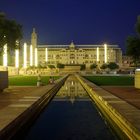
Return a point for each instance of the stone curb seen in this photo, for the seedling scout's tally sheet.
(31, 113)
(121, 122)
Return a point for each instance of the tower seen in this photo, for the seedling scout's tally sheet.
(72, 46)
(33, 45)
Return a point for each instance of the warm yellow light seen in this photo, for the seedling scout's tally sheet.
(97, 54)
(36, 57)
(46, 55)
(105, 53)
(25, 56)
(16, 58)
(31, 55)
(5, 61)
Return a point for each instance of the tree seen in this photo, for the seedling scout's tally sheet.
(133, 44)
(10, 32)
(93, 66)
(113, 66)
(138, 25)
(133, 48)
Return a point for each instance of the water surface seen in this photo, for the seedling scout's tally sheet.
(70, 116)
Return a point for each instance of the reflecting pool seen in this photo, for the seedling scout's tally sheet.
(71, 115)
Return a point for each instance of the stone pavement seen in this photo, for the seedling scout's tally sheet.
(15, 100)
(128, 111)
(114, 101)
(128, 93)
(21, 105)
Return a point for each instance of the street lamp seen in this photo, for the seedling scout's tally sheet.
(25, 56)
(36, 57)
(5, 61)
(97, 54)
(105, 53)
(31, 55)
(17, 58)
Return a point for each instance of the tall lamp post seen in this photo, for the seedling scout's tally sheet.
(5, 55)
(25, 56)
(105, 53)
(17, 57)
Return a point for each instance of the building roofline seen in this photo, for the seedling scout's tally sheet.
(76, 45)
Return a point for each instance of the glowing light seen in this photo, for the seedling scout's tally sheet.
(97, 54)
(16, 58)
(5, 61)
(25, 56)
(46, 55)
(36, 57)
(105, 53)
(31, 55)
(138, 69)
(72, 83)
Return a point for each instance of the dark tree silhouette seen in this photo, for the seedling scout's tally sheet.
(10, 32)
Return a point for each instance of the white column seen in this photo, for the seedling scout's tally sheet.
(17, 58)
(5, 61)
(97, 51)
(36, 57)
(46, 54)
(31, 55)
(105, 53)
(25, 56)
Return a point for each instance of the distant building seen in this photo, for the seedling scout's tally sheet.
(73, 54)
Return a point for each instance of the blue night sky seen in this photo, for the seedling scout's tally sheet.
(83, 21)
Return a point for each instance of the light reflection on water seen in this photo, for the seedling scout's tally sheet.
(70, 116)
(72, 91)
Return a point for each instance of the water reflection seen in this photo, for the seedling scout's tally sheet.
(62, 120)
(72, 91)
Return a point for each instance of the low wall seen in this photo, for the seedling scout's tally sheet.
(123, 127)
(3, 80)
(26, 118)
(11, 70)
(137, 78)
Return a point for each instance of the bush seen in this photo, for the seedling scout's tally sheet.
(93, 66)
(104, 66)
(51, 66)
(59, 65)
(113, 66)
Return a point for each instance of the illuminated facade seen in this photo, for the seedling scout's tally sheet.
(73, 54)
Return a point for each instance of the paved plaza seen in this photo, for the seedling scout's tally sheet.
(127, 93)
